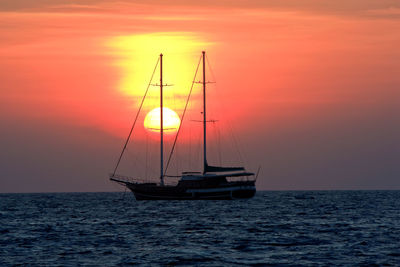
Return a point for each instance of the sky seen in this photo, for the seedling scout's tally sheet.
(307, 90)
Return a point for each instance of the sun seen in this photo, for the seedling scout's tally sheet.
(171, 120)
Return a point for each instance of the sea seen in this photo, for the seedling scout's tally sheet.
(283, 228)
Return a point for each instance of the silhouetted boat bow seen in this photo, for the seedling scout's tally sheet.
(214, 182)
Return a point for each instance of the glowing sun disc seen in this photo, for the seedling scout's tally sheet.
(171, 120)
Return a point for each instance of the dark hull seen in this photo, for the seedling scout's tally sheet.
(234, 190)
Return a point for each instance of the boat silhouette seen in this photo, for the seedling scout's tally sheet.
(214, 182)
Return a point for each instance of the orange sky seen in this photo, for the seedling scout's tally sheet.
(310, 90)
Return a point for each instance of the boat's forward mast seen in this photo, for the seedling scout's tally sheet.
(161, 122)
(204, 114)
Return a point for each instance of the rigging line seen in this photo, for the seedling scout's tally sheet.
(136, 118)
(237, 145)
(190, 148)
(123, 195)
(183, 116)
(241, 158)
(219, 144)
(209, 67)
(133, 157)
(147, 152)
(174, 95)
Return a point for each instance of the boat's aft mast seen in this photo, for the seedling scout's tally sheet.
(204, 114)
(161, 123)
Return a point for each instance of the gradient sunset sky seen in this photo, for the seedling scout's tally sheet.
(311, 89)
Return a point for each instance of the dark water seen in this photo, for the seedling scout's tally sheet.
(283, 228)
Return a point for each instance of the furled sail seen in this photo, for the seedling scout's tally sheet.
(209, 168)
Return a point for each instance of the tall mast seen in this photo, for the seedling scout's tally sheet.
(204, 114)
(161, 124)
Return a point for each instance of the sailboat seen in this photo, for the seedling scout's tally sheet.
(214, 182)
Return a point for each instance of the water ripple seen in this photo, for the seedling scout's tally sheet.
(274, 228)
